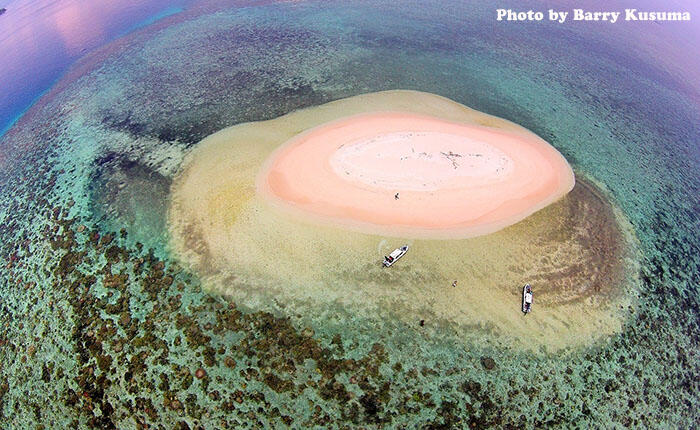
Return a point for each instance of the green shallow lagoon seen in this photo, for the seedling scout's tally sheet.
(101, 328)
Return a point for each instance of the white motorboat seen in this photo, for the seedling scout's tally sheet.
(395, 255)
(527, 298)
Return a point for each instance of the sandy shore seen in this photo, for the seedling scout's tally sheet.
(261, 251)
(415, 175)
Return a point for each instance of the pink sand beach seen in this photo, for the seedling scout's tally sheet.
(420, 174)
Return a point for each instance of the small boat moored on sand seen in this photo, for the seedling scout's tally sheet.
(527, 298)
(395, 255)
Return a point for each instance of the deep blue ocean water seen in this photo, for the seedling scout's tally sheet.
(40, 40)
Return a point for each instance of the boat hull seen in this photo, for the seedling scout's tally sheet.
(390, 259)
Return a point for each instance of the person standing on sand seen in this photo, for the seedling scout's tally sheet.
(396, 196)
(454, 284)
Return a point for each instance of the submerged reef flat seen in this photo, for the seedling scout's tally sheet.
(574, 252)
(104, 325)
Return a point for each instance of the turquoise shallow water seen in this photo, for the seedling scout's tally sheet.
(98, 331)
